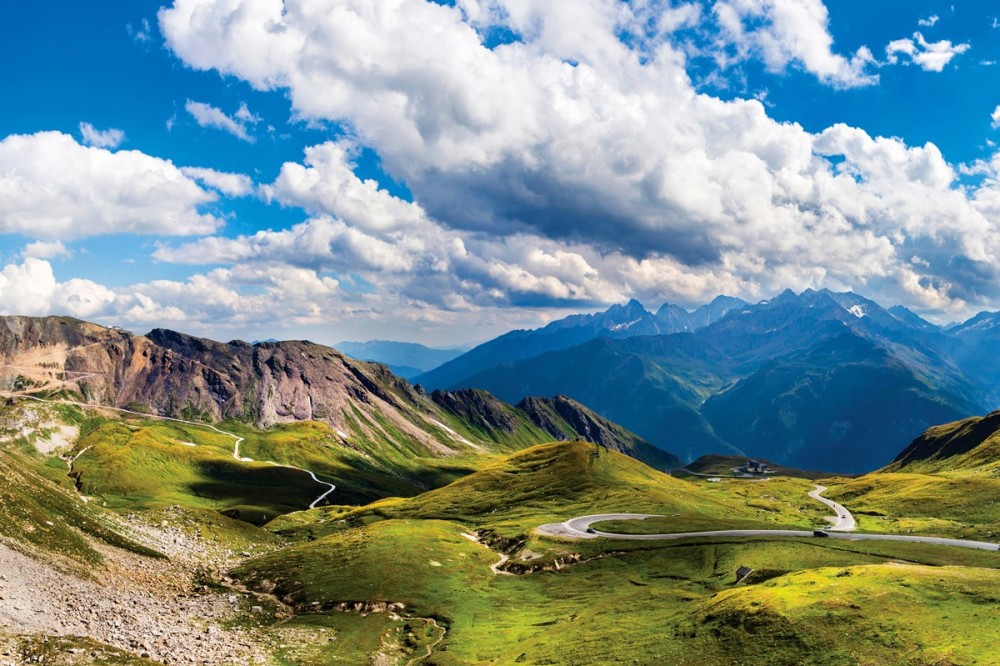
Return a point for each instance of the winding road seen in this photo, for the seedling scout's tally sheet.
(843, 524)
(842, 519)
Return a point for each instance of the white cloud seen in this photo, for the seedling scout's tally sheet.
(230, 184)
(930, 21)
(51, 187)
(995, 117)
(31, 288)
(207, 115)
(623, 177)
(45, 250)
(326, 183)
(929, 56)
(110, 138)
(783, 32)
(226, 297)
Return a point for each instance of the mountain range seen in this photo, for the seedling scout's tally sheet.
(405, 359)
(817, 380)
(373, 412)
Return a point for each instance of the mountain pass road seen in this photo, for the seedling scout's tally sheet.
(843, 523)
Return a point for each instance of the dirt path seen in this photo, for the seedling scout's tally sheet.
(430, 648)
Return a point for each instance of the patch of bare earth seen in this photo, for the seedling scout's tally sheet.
(158, 609)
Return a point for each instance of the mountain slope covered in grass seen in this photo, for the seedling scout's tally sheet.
(946, 483)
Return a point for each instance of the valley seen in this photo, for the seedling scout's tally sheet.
(499, 333)
(454, 530)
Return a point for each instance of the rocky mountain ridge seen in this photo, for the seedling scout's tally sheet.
(168, 373)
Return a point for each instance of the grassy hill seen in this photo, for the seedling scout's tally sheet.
(545, 483)
(968, 446)
(402, 577)
(803, 618)
(945, 483)
(40, 509)
(600, 601)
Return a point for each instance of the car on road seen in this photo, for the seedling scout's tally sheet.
(591, 530)
(821, 533)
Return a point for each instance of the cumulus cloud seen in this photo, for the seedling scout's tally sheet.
(110, 138)
(31, 288)
(929, 56)
(226, 297)
(213, 117)
(930, 21)
(622, 177)
(362, 229)
(783, 32)
(230, 184)
(45, 250)
(51, 187)
(995, 117)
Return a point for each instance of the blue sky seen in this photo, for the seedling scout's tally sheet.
(446, 172)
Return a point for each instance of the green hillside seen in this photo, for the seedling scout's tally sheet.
(428, 555)
(945, 484)
(551, 483)
(969, 446)
(807, 617)
(600, 601)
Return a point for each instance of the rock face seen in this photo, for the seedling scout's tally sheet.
(172, 374)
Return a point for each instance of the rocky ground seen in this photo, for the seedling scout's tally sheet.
(169, 611)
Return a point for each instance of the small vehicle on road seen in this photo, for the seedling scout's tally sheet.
(591, 530)
(821, 533)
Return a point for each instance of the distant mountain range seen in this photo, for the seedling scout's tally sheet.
(405, 359)
(619, 321)
(817, 380)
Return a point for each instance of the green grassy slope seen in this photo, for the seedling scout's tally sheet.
(148, 465)
(971, 446)
(945, 483)
(551, 483)
(638, 603)
(36, 511)
(853, 616)
(344, 568)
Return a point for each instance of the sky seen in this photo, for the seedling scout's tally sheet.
(443, 172)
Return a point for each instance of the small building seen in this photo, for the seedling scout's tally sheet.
(742, 573)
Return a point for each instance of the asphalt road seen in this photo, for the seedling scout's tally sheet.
(842, 519)
(577, 528)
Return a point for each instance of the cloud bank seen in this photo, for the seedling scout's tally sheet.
(601, 146)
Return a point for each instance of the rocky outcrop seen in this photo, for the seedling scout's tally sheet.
(480, 409)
